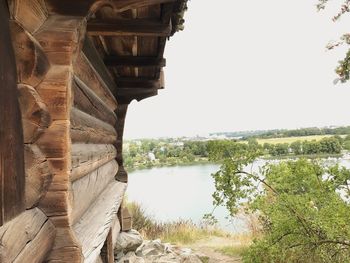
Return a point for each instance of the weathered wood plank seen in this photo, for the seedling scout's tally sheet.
(97, 63)
(107, 251)
(88, 157)
(130, 27)
(25, 232)
(87, 73)
(88, 129)
(86, 100)
(31, 14)
(38, 175)
(12, 177)
(36, 250)
(133, 61)
(115, 230)
(35, 116)
(32, 63)
(86, 190)
(92, 229)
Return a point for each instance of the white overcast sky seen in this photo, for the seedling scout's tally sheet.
(247, 65)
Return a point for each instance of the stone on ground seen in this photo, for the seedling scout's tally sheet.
(128, 241)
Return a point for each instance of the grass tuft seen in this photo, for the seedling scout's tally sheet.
(181, 232)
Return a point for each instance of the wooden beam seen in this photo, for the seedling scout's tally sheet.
(12, 177)
(128, 27)
(133, 61)
(89, 7)
(142, 83)
(132, 91)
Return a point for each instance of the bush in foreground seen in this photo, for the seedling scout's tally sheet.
(303, 206)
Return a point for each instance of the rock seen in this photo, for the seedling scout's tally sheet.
(131, 257)
(151, 248)
(128, 241)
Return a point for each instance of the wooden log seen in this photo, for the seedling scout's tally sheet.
(37, 250)
(92, 229)
(88, 157)
(55, 91)
(35, 116)
(66, 247)
(38, 175)
(88, 129)
(30, 14)
(88, 188)
(133, 61)
(28, 237)
(61, 38)
(54, 142)
(86, 100)
(12, 175)
(84, 70)
(131, 27)
(97, 63)
(32, 63)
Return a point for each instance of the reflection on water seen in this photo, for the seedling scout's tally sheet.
(170, 193)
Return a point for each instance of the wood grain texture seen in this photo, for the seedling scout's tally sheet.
(61, 38)
(38, 175)
(55, 91)
(97, 63)
(29, 233)
(86, 100)
(121, 111)
(12, 177)
(32, 63)
(36, 250)
(85, 71)
(93, 227)
(55, 141)
(35, 115)
(88, 129)
(88, 157)
(30, 14)
(86, 190)
(107, 251)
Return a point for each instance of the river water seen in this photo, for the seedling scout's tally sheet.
(184, 192)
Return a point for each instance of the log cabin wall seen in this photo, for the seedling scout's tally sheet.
(79, 65)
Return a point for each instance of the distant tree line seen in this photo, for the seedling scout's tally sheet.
(300, 132)
(138, 154)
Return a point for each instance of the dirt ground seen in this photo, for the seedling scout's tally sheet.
(210, 246)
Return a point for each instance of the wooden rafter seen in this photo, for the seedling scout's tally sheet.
(85, 7)
(128, 27)
(133, 61)
(138, 83)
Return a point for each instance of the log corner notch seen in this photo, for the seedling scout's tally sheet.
(12, 174)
